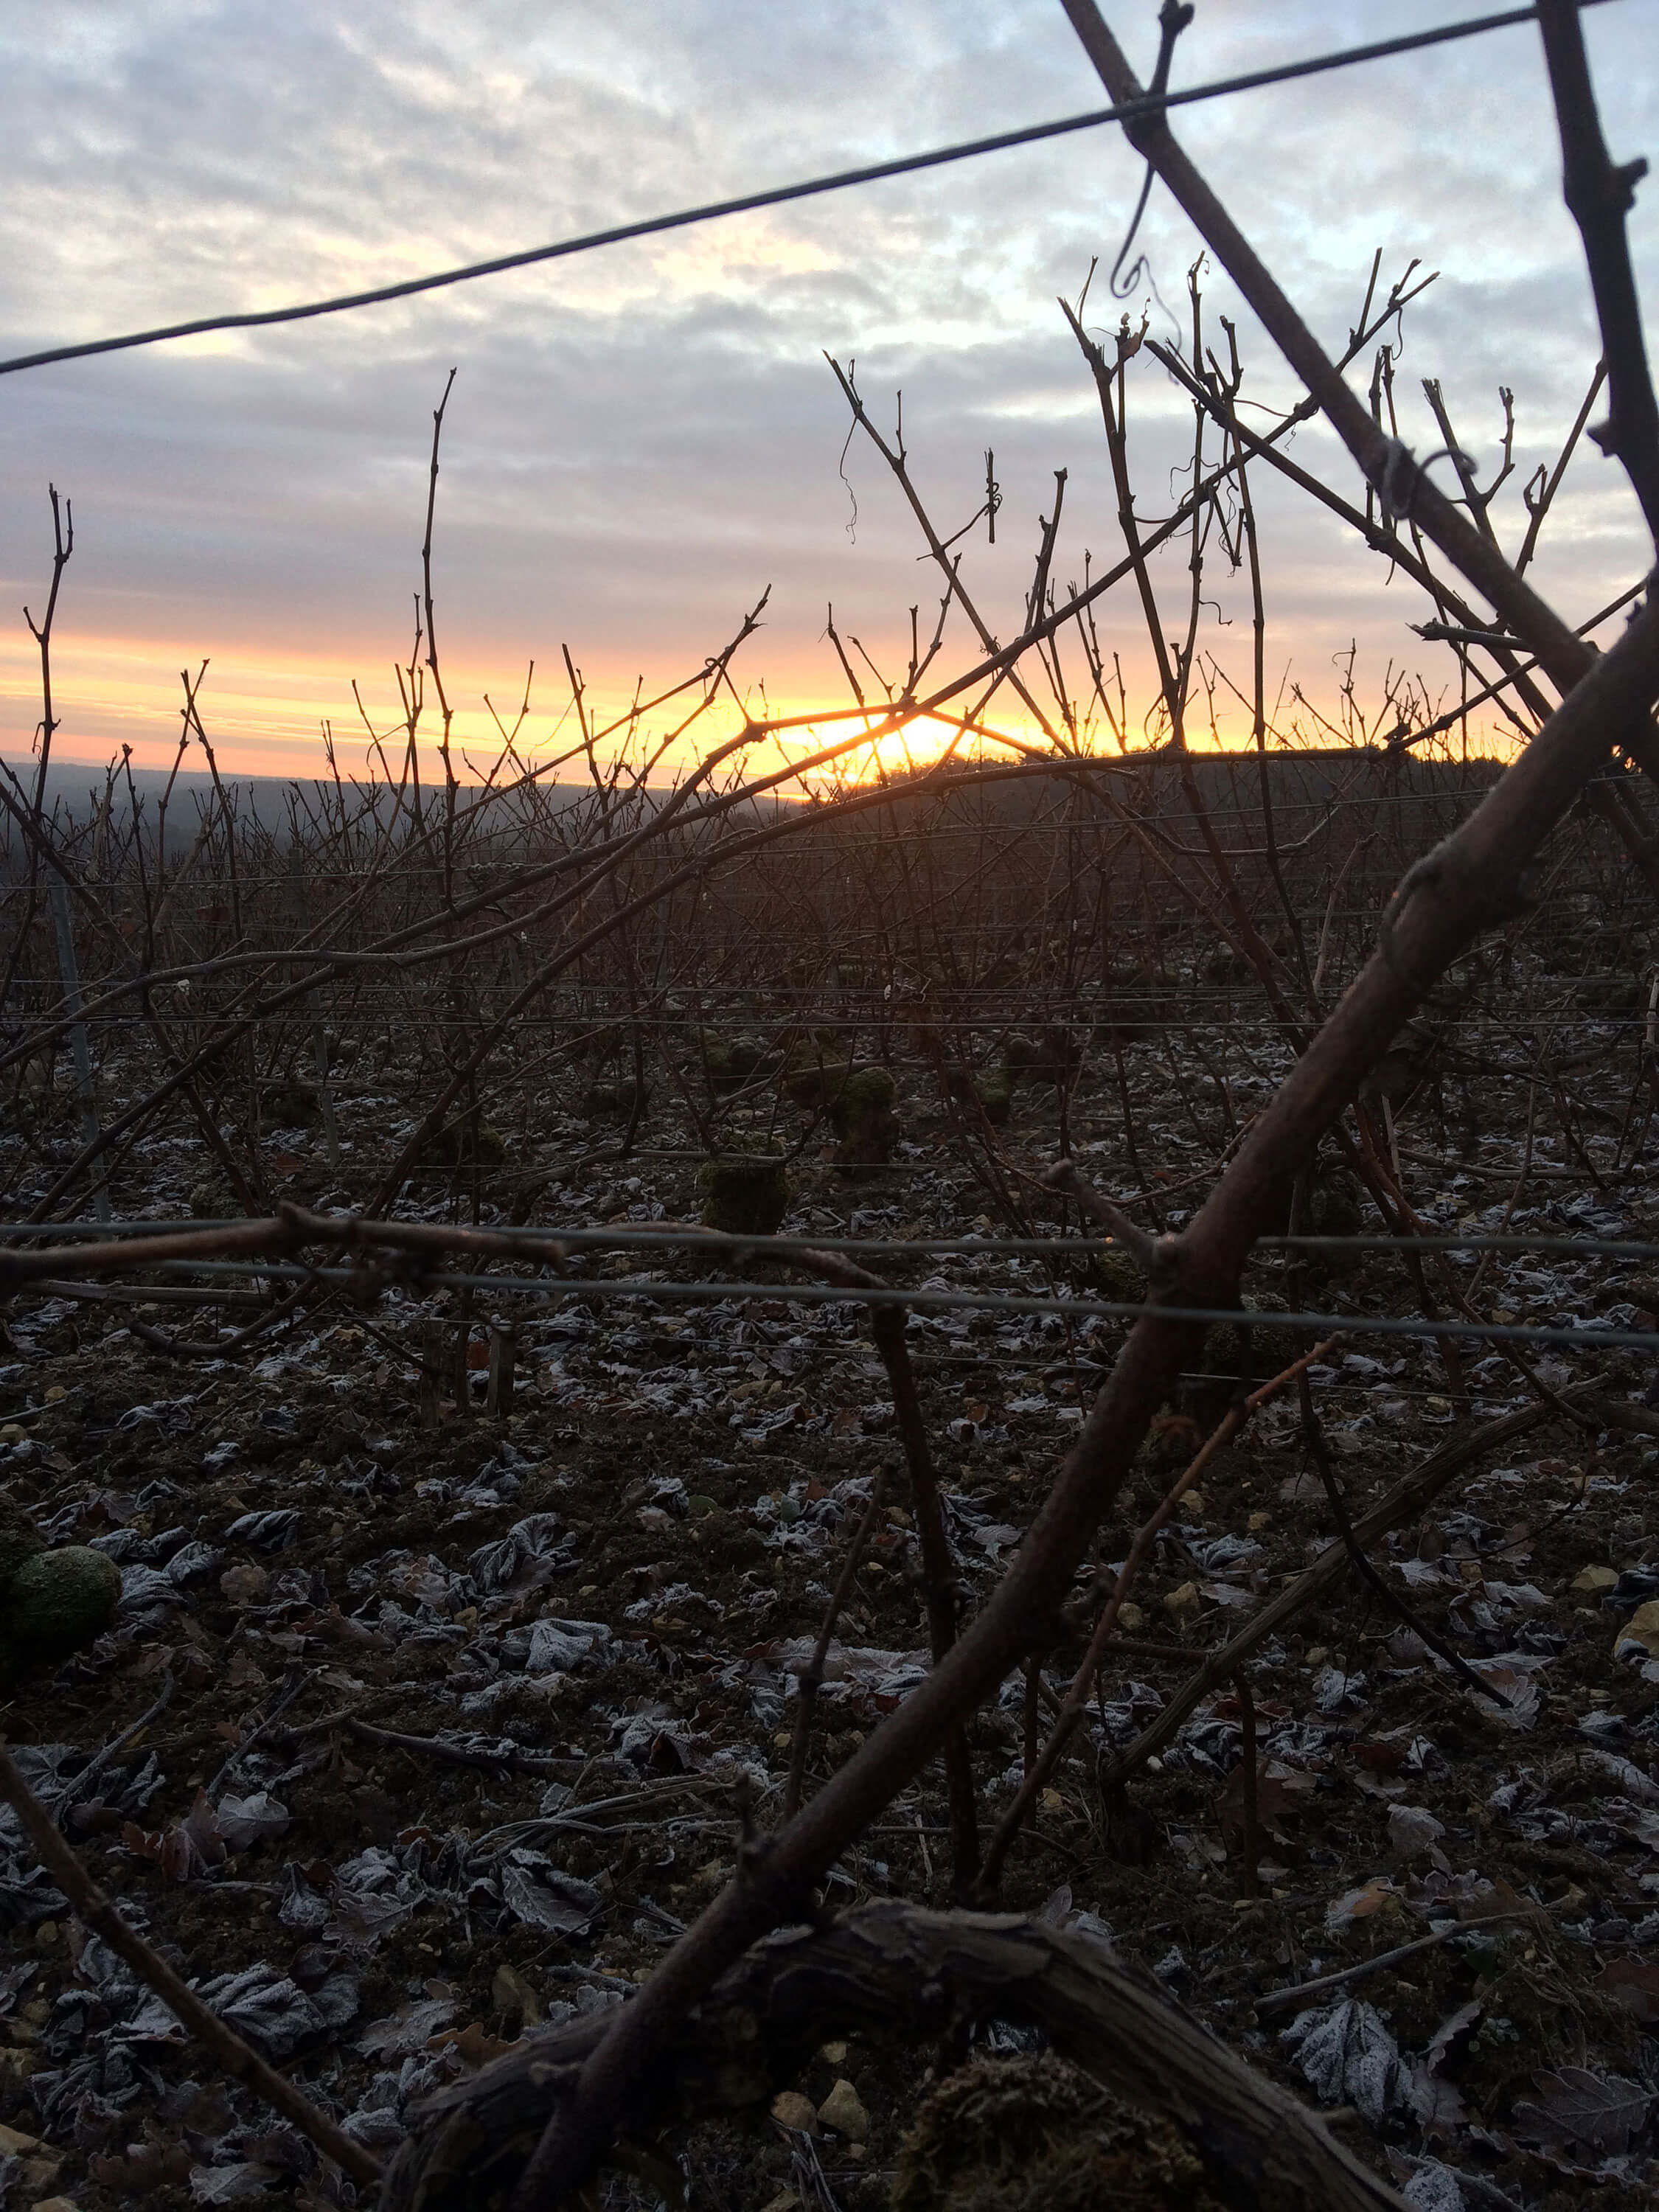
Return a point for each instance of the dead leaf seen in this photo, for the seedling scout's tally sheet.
(1379, 1757)
(1414, 1829)
(1175, 1436)
(1456, 2025)
(410, 2027)
(1272, 1804)
(1576, 2109)
(1357, 1903)
(1522, 1698)
(471, 2044)
(1634, 1984)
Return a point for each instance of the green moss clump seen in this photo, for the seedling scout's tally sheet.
(743, 1197)
(728, 1062)
(1034, 2134)
(995, 1095)
(1115, 1276)
(987, 1090)
(614, 1100)
(1334, 1210)
(56, 1603)
(1139, 1001)
(291, 1105)
(862, 1116)
(1250, 1347)
(1053, 1056)
(468, 1141)
(816, 1069)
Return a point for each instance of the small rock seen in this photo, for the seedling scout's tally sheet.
(1130, 1618)
(1640, 1632)
(1591, 1579)
(834, 2054)
(1184, 1600)
(791, 2110)
(843, 2111)
(511, 1992)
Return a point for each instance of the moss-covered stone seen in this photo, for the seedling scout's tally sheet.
(728, 1062)
(995, 1095)
(1334, 1209)
(55, 1603)
(816, 1069)
(987, 1090)
(1251, 1347)
(1223, 965)
(1114, 1275)
(614, 1100)
(743, 1197)
(862, 1116)
(1051, 1056)
(1035, 2135)
(1139, 1001)
(291, 1105)
(468, 1141)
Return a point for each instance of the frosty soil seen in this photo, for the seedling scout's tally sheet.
(456, 1721)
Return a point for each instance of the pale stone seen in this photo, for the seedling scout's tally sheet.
(844, 2110)
(1641, 1632)
(1591, 1579)
(510, 1990)
(791, 2110)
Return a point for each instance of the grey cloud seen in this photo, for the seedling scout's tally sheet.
(641, 441)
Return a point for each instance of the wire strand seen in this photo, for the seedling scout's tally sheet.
(645, 1237)
(925, 1301)
(781, 195)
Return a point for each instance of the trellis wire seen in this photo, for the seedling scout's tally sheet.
(645, 1237)
(1152, 103)
(653, 1291)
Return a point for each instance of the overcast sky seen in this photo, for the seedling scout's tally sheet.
(641, 441)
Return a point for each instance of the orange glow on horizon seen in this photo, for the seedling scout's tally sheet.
(265, 713)
(265, 716)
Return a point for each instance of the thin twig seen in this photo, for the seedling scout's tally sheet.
(809, 1679)
(1076, 1701)
(221, 2043)
(1344, 1975)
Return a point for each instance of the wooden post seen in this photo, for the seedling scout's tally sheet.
(324, 1098)
(432, 1357)
(503, 1344)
